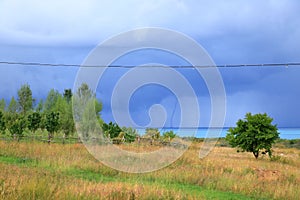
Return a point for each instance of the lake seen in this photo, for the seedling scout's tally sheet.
(285, 133)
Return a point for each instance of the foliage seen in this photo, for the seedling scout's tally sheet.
(12, 106)
(34, 121)
(51, 100)
(253, 134)
(68, 95)
(86, 110)
(52, 123)
(117, 134)
(98, 107)
(2, 122)
(56, 106)
(130, 134)
(17, 127)
(286, 143)
(40, 106)
(152, 133)
(111, 130)
(25, 99)
(84, 92)
(66, 120)
(2, 105)
(169, 135)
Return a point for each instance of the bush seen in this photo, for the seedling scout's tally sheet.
(130, 134)
(169, 135)
(152, 133)
(111, 130)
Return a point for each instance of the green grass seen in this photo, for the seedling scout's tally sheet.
(93, 176)
(70, 172)
(186, 188)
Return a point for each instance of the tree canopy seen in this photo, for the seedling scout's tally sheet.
(25, 100)
(253, 134)
(54, 115)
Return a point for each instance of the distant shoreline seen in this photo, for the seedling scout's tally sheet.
(200, 132)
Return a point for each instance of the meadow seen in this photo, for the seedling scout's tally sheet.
(36, 170)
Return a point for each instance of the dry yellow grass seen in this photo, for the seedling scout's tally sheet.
(223, 169)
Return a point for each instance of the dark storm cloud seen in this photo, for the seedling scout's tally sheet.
(232, 32)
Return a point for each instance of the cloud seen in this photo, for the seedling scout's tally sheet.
(233, 32)
(81, 22)
(59, 22)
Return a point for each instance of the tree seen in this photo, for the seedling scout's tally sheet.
(152, 133)
(34, 121)
(52, 124)
(11, 115)
(253, 134)
(51, 100)
(169, 135)
(17, 127)
(111, 130)
(40, 106)
(67, 124)
(130, 134)
(81, 101)
(25, 99)
(68, 95)
(2, 122)
(86, 112)
(13, 106)
(2, 105)
(84, 92)
(98, 107)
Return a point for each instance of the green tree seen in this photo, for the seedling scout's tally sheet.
(17, 127)
(111, 130)
(130, 134)
(169, 135)
(40, 106)
(253, 134)
(52, 124)
(67, 122)
(87, 110)
(11, 115)
(25, 99)
(2, 105)
(66, 116)
(98, 108)
(84, 92)
(13, 106)
(2, 122)
(81, 100)
(68, 95)
(152, 133)
(51, 100)
(34, 121)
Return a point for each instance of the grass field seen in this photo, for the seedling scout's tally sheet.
(34, 170)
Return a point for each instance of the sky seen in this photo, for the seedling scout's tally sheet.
(232, 32)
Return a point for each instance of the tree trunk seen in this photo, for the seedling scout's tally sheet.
(64, 136)
(49, 138)
(256, 154)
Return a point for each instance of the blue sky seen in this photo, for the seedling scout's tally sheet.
(232, 32)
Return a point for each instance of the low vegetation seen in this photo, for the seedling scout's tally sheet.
(33, 170)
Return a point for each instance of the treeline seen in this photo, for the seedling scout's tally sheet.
(26, 115)
(53, 115)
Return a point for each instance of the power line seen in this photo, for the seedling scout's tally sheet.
(288, 64)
